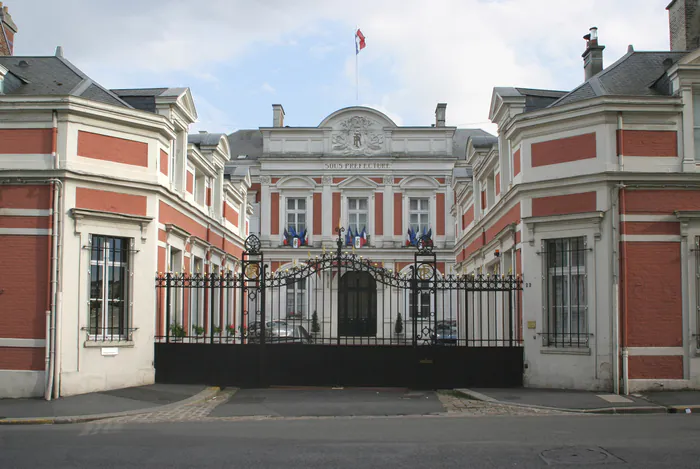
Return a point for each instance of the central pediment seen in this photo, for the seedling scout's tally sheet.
(357, 131)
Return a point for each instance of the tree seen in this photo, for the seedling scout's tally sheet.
(398, 327)
(315, 326)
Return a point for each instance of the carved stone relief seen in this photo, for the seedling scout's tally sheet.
(357, 135)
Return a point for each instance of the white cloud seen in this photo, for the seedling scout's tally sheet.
(418, 53)
(267, 88)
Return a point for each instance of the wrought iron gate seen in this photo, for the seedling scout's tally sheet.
(339, 319)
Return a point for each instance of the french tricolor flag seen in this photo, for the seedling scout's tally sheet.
(359, 41)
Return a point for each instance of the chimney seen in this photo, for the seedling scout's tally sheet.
(59, 51)
(277, 115)
(7, 32)
(684, 24)
(440, 114)
(593, 56)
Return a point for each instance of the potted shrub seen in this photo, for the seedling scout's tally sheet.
(315, 326)
(198, 331)
(177, 332)
(398, 328)
(231, 332)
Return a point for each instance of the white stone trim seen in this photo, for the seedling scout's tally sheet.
(655, 351)
(25, 231)
(25, 343)
(648, 218)
(24, 212)
(650, 238)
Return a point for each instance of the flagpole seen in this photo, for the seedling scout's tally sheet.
(357, 69)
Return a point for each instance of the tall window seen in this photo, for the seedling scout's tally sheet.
(358, 214)
(296, 214)
(423, 306)
(419, 214)
(565, 263)
(696, 124)
(197, 296)
(109, 287)
(175, 266)
(296, 298)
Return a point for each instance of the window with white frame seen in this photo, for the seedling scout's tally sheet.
(566, 323)
(419, 214)
(696, 124)
(216, 294)
(109, 288)
(296, 214)
(197, 299)
(175, 266)
(358, 214)
(422, 300)
(296, 298)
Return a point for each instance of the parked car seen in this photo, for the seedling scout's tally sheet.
(446, 333)
(280, 331)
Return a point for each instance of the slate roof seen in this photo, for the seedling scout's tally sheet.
(484, 141)
(54, 76)
(143, 99)
(459, 141)
(539, 99)
(249, 142)
(204, 139)
(635, 74)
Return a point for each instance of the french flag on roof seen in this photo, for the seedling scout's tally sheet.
(359, 41)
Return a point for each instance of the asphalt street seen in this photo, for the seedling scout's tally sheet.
(634, 441)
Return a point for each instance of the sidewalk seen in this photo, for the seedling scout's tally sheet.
(99, 405)
(590, 402)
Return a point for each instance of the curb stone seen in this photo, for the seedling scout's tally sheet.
(653, 409)
(203, 395)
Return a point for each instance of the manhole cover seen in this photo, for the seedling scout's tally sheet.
(578, 455)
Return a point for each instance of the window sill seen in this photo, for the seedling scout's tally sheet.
(108, 343)
(565, 351)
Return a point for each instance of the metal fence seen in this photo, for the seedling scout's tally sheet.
(339, 298)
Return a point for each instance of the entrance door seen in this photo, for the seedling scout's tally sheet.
(357, 312)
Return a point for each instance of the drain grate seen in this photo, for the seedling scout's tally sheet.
(579, 455)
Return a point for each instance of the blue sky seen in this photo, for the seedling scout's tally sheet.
(241, 56)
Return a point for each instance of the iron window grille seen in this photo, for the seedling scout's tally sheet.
(358, 214)
(565, 290)
(110, 277)
(296, 214)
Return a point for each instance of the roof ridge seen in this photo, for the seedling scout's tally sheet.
(81, 87)
(82, 74)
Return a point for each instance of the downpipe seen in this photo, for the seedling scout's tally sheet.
(56, 192)
(621, 303)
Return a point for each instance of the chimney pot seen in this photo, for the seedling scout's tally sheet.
(277, 115)
(440, 114)
(630, 48)
(594, 33)
(59, 51)
(593, 56)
